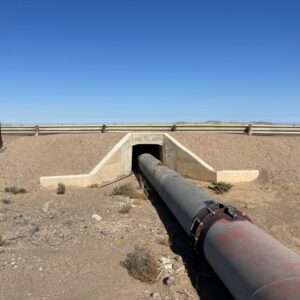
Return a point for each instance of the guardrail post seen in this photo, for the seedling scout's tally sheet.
(103, 130)
(36, 130)
(249, 129)
(173, 128)
(1, 141)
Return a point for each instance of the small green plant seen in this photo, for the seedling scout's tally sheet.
(61, 189)
(15, 190)
(141, 264)
(125, 209)
(220, 187)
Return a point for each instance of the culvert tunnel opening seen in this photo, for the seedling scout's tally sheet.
(153, 149)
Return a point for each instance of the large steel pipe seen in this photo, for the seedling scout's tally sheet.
(252, 264)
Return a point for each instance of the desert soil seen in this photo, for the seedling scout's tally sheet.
(73, 246)
(27, 158)
(276, 157)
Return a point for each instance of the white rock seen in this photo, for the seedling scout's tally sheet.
(168, 267)
(96, 217)
(155, 295)
(45, 207)
(164, 260)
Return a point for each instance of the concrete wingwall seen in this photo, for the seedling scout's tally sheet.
(118, 163)
(185, 162)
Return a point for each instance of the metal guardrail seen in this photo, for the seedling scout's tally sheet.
(250, 129)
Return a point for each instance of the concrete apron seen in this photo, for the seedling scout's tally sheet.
(119, 162)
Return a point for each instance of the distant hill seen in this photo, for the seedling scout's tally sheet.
(262, 123)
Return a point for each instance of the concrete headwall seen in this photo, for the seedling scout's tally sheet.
(118, 163)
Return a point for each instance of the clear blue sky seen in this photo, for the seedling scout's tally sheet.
(83, 61)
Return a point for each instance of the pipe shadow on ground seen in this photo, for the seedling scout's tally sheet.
(203, 278)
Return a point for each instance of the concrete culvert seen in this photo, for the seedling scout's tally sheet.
(122, 160)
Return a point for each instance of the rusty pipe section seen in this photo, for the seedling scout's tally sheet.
(252, 264)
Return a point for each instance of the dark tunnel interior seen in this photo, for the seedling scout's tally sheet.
(155, 150)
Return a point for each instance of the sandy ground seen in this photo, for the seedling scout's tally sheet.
(277, 158)
(27, 158)
(55, 249)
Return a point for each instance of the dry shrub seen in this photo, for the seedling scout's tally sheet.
(220, 187)
(124, 190)
(61, 189)
(129, 191)
(141, 264)
(265, 176)
(15, 190)
(125, 209)
(94, 185)
(6, 201)
(2, 241)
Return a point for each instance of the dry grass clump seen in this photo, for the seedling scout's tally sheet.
(2, 241)
(125, 190)
(15, 190)
(61, 189)
(141, 264)
(128, 190)
(125, 209)
(93, 185)
(6, 201)
(220, 187)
